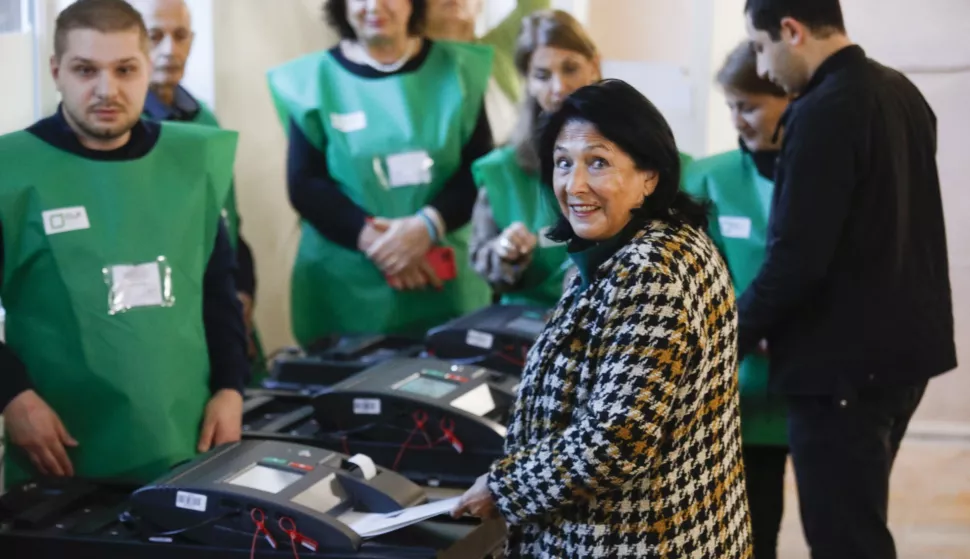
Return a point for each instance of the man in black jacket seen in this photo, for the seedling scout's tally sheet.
(854, 295)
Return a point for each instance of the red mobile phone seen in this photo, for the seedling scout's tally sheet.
(442, 260)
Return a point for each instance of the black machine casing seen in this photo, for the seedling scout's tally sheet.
(82, 519)
(332, 361)
(320, 485)
(498, 337)
(377, 411)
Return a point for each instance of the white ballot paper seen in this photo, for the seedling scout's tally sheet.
(369, 525)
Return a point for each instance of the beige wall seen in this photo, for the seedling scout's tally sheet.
(251, 37)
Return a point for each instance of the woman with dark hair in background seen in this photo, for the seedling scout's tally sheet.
(514, 209)
(739, 186)
(383, 129)
(625, 438)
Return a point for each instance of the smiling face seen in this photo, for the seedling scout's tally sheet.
(377, 21)
(554, 73)
(103, 80)
(756, 116)
(596, 183)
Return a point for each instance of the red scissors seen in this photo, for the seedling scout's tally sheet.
(259, 519)
(296, 537)
(447, 426)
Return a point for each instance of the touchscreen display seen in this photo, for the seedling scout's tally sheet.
(265, 479)
(429, 387)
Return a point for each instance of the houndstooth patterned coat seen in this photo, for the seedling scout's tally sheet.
(625, 438)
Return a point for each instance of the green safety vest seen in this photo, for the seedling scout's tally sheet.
(742, 200)
(515, 195)
(391, 144)
(131, 386)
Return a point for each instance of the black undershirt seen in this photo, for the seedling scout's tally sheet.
(320, 200)
(221, 310)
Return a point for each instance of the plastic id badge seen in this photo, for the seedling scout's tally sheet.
(411, 168)
(132, 286)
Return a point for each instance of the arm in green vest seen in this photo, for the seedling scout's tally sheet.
(484, 249)
(694, 181)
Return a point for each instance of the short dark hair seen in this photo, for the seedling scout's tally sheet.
(335, 13)
(822, 17)
(106, 16)
(740, 73)
(628, 119)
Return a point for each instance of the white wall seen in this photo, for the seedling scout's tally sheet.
(17, 69)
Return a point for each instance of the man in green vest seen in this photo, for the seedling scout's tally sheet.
(125, 350)
(169, 24)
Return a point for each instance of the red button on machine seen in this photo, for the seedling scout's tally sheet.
(303, 467)
(458, 378)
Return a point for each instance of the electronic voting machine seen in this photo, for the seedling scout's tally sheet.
(498, 337)
(437, 422)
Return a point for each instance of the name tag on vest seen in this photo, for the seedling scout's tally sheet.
(349, 122)
(735, 227)
(409, 169)
(65, 219)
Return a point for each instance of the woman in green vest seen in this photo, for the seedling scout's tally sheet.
(455, 20)
(383, 129)
(739, 185)
(514, 209)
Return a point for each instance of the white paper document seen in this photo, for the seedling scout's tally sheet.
(369, 525)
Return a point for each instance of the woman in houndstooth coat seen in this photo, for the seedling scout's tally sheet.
(625, 438)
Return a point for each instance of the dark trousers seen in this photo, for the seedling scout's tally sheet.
(764, 473)
(843, 449)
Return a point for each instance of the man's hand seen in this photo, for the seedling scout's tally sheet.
(223, 420)
(247, 306)
(477, 501)
(33, 426)
(516, 242)
(405, 242)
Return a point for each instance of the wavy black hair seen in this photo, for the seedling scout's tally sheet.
(335, 13)
(628, 119)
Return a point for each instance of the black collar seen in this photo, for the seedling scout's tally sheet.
(844, 58)
(184, 107)
(57, 132)
(841, 59)
(764, 161)
(365, 71)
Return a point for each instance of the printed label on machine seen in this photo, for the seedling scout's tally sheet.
(367, 406)
(483, 340)
(191, 501)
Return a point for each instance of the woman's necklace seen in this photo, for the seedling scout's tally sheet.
(361, 53)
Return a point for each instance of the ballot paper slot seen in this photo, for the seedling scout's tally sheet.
(275, 411)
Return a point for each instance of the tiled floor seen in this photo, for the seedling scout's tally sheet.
(929, 507)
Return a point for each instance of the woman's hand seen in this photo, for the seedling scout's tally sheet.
(477, 501)
(371, 232)
(516, 242)
(403, 244)
(418, 276)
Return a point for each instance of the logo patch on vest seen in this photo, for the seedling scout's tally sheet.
(735, 227)
(349, 122)
(64, 220)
